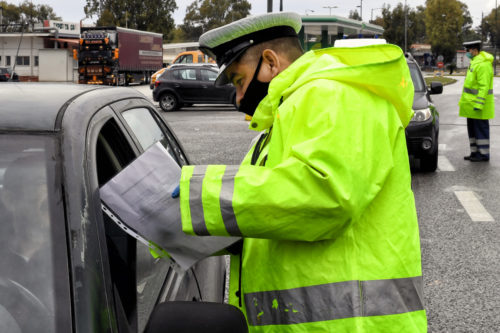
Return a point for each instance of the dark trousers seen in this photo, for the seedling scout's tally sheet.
(479, 137)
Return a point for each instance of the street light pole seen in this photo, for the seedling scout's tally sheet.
(406, 24)
(361, 10)
(496, 38)
(281, 5)
(269, 6)
(330, 7)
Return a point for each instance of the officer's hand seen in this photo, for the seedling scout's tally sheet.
(176, 192)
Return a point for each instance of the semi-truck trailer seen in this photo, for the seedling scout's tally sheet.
(118, 56)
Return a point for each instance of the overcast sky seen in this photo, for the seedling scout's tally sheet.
(72, 10)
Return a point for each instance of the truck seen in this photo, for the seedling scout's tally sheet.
(118, 56)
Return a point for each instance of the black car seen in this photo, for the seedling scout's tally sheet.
(184, 85)
(6, 74)
(422, 132)
(64, 265)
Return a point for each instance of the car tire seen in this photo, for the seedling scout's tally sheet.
(429, 163)
(168, 102)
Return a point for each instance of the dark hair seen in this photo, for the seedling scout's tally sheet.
(288, 47)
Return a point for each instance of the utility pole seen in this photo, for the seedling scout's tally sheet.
(406, 25)
(281, 5)
(496, 38)
(269, 6)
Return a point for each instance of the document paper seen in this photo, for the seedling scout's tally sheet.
(140, 197)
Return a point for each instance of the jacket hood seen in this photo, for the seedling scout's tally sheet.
(483, 57)
(381, 69)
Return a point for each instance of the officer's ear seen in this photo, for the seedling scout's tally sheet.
(273, 64)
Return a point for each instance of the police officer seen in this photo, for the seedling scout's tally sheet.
(476, 102)
(323, 200)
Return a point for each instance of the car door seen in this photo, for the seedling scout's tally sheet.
(135, 280)
(187, 84)
(156, 279)
(208, 89)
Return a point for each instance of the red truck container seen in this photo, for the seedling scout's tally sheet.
(118, 56)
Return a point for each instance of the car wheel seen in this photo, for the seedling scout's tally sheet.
(429, 163)
(168, 102)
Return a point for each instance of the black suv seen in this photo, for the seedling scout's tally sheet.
(423, 130)
(184, 85)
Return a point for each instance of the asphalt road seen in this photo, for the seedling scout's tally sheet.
(457, 206)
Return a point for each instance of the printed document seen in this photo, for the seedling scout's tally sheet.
(140, 196)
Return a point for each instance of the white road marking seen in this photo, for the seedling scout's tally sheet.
(444, 164)
(473, 206)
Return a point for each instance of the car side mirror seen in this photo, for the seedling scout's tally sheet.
(436, 88)
(187, 317)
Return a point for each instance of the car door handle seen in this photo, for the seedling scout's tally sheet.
(204, 86)
(177, 85)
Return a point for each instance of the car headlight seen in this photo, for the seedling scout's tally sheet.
(421, 115)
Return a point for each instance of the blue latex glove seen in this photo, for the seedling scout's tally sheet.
(176, 192)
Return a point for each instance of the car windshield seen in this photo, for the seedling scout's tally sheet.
(416, 77)
(27, 292)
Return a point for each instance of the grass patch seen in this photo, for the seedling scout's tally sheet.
(443, 80)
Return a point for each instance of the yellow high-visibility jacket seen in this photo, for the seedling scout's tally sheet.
(477, 97)
(323, 201)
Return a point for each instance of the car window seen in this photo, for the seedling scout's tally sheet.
(208, 75)
(416, 77)
(148, 131)
(187, 74)
(30, 211)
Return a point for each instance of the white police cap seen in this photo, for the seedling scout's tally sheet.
(229, 42)
(472, 44)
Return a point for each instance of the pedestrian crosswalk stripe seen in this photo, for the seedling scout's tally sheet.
(473, 206)
(444, 164)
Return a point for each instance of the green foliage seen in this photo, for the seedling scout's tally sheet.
(491, 27)
(444, 21)
(147, 15)
(353, 14)
(204, 15)
(393, 22)
(26, 12)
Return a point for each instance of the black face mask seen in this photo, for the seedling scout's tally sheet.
(255, 92)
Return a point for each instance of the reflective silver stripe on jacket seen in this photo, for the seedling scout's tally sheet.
(471, 91)
(226, 201)
(479, 102)
(332, 301)
(195, 203)
(483, 99)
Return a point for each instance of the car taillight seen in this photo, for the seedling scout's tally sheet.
(7, 75)
(157, 83)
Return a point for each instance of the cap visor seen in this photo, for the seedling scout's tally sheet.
(222, 78)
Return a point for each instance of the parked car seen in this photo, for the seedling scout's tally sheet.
(64, 265)
(155, 76)
(6, 74)
(422, 133)
(191, 84)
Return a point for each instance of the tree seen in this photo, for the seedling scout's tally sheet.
(444, 20)
(148, 15)
(490, 27)
(26, 12)
(353, 14)
(204, 15)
